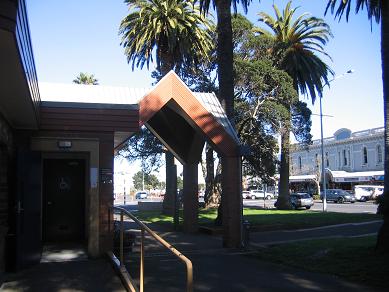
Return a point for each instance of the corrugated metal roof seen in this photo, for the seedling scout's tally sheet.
(212, 104)
(90, 93)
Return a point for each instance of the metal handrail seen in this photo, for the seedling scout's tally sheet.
(144, 227)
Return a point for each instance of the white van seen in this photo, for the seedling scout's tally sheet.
(367, 192)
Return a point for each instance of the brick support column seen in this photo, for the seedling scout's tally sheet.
(232, 201)
(191, 201)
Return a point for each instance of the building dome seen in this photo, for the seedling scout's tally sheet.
(342, 134)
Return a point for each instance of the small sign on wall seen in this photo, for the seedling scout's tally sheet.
(106, 175)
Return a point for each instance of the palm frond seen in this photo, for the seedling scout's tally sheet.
(340, 7)
(175, 30)
(300, 39)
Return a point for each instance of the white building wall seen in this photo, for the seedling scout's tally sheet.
(343, 153)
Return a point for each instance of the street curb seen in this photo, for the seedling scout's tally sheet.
(267, 244)
(336, 225)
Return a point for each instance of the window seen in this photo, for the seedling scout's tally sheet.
(379, 154)
(344, 158)
(317, 160)
(339, 160)
(364, 155)
(300, 164)
(327, 160)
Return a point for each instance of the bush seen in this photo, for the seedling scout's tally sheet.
(316, 197)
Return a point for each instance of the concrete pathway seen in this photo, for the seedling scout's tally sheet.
(217, 269)
(64, 269)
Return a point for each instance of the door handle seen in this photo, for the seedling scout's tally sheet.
(19, 209)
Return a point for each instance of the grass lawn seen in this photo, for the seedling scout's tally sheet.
(270, 219)
(353, 259)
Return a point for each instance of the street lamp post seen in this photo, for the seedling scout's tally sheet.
(322, 144)
(322, 160)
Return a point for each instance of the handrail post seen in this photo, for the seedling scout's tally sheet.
(145, 228)
(142, 259)
(121, 238)
(189, 277)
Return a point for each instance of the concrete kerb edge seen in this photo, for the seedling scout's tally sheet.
(333, 226)
(271, 243)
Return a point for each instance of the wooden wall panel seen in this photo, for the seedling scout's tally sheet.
(76, 119)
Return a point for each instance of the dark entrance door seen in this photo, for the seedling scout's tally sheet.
(24, 240)
(63, 200)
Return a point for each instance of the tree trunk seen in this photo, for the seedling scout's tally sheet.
(225, 57)
(168, 200)
(283, 190)
(383, 234)
(211, 198)
(225, 61)
(217, 193)
(166, 65)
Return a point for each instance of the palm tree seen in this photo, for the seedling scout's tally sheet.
(174, 28)
(379, 11)
(177, 33)
(225, 49)
(85, 78)
(297, 43)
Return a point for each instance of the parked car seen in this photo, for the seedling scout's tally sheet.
(367, 192)
(246, 195)
(201, 194)
(338, 196)
(141, 195)
(260, 194)
(301, 200)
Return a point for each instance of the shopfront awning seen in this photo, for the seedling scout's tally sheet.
(361, 176)
(302, 178)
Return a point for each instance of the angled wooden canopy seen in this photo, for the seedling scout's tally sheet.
(182, 122)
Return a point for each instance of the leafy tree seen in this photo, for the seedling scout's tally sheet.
(259, 108)
(267, 93)
(144, 146)
(85, 78)
(296, 45)
(180, 183)
(149, 181)
(177, 33)
(377, 10)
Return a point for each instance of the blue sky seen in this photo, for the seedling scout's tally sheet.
(82, 36)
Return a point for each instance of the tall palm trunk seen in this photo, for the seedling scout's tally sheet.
(283, 188)
(225, 56)
(383, 234)
(225, 67)
(167, 64)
